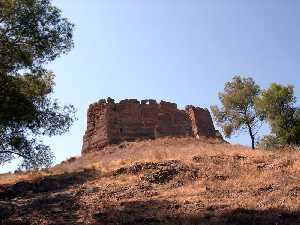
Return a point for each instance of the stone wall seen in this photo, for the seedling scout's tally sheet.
(110, 123)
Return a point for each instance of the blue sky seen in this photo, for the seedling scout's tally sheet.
(180, 51)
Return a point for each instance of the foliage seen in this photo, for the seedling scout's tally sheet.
(277, 105)
(270, 142)
(238, 111)
(32, 33)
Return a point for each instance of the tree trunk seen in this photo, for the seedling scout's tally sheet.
(251, 136)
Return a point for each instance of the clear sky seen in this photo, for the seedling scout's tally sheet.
(180, 51)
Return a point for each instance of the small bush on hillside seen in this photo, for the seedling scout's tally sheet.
(270, 142)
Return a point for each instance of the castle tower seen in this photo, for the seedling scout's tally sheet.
(110, 123)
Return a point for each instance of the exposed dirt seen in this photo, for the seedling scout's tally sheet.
(222, 187)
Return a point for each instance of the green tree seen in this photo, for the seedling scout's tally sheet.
(238, 111)
(277, 105)
(32, 33)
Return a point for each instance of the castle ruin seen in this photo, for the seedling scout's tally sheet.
(111, 123)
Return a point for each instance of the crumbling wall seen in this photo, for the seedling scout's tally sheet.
(202, 123)
(96, 135)
(109, 122)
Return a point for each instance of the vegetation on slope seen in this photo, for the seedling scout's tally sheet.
(164, 181)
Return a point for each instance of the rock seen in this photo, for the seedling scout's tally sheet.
(6, 210)
(22, 186)
(294, 192)
(158, 173)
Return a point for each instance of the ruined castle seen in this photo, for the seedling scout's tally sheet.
(110, 123)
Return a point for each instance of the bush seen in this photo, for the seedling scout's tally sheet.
(270, 142)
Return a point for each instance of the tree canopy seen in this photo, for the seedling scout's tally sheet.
(32, 33)
(245, 107)
(277, 105)
(238, 112)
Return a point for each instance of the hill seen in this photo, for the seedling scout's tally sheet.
(163, 181)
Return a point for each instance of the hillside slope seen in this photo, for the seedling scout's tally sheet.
(164, 181)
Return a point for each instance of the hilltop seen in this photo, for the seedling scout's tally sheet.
(132, 120)
(162, 181)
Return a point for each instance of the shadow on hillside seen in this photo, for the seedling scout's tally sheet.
(53, 208)
(156, 212)
(45, 200)
(46, 184)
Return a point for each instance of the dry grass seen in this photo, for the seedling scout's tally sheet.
(208, 183)
(11, 178)
(116, 156)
